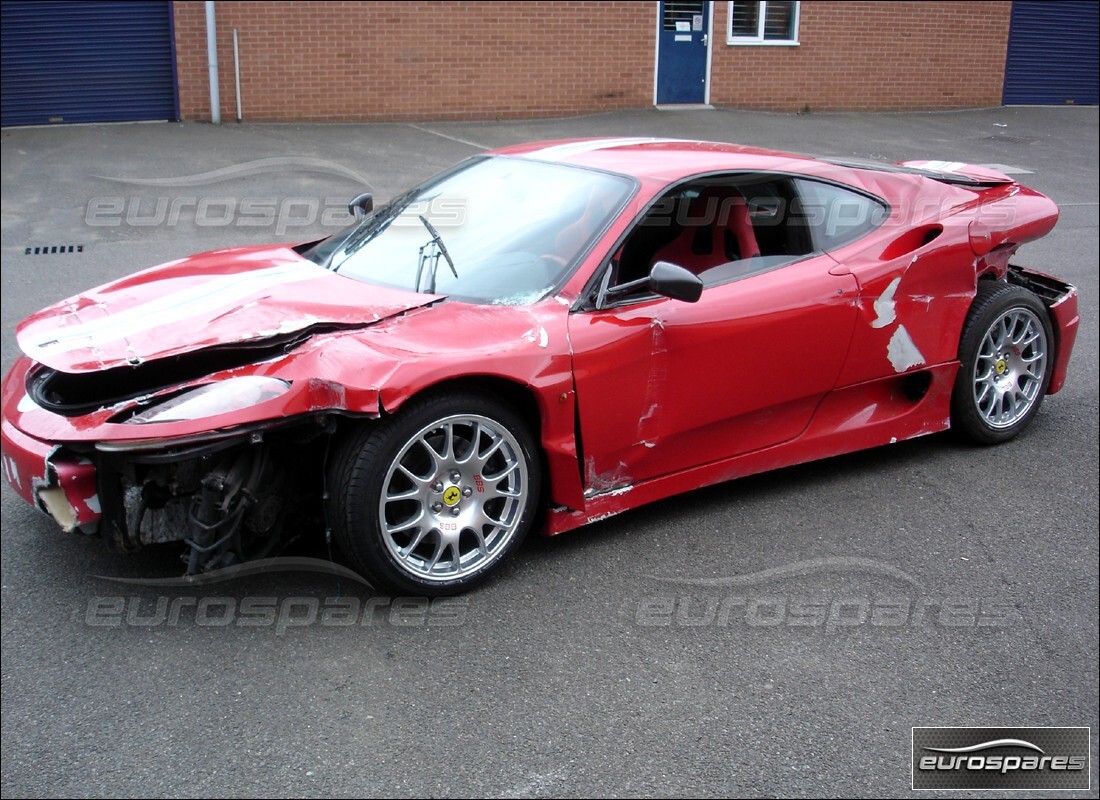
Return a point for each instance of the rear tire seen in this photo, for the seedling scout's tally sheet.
(1005, 355)
(432, 500)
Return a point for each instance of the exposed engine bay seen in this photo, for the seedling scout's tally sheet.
(227, 502)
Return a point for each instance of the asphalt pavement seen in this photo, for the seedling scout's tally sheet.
(778, 635)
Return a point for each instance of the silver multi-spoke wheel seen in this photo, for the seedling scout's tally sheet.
(431, 500)
(1006, 352)
(1010, 367)
(453, 497)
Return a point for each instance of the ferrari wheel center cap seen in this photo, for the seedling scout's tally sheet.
(1001, 367)
(452, 495)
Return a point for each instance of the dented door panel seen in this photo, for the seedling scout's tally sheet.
(664, 385)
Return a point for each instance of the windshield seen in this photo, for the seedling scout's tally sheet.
(494, 230)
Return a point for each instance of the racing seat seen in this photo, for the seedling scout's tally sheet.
(717, 229)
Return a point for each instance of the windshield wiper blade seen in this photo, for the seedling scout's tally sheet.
(439, 243)
(359, 238)
(372, 226)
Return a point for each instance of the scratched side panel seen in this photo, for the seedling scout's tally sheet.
(917, 277)
(850, 419)
(911, 306)
(918, 274)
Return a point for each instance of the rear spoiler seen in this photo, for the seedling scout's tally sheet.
(957, 173)
(953, 172)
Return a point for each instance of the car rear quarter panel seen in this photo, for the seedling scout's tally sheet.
(914, 297)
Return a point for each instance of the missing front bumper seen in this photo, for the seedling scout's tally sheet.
(57, 483)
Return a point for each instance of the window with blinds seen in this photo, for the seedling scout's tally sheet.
(762, 22)
(689, 13)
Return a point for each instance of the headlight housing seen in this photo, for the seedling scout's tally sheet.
(211, 399)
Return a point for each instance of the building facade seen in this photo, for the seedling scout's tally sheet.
(362, 61)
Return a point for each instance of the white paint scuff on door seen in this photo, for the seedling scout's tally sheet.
(884, 306)
(902, 351)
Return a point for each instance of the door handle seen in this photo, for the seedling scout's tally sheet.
(704, 40)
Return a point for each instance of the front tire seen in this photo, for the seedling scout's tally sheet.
(434, 499)
(1005, 356)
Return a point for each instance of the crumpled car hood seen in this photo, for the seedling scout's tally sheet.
(217, 298)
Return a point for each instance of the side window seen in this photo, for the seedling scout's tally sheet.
(720, 228)
(762, 22)
(837, 216)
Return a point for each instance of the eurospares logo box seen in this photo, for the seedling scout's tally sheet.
(1001, 758)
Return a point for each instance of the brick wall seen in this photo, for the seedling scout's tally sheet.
(347, 61)
(418, 60)
(870, 55)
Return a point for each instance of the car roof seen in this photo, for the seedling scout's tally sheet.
(664, 159)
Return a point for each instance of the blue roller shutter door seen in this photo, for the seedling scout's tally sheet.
(1052, 53)
(86, 62)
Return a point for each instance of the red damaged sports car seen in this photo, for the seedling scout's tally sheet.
(544, 335)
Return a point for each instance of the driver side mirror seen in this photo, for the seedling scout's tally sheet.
(361, 205)
(665, 279)
(677, 283)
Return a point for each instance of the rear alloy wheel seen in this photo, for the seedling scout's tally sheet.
(1005, 355)
(432, 500)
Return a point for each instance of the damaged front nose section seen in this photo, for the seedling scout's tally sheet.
(217, 535)
(67, 492)
(223, 500)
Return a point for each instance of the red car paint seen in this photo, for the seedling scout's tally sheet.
(31, 466)
(803, 362)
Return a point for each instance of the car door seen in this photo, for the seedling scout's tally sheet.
(664, 385)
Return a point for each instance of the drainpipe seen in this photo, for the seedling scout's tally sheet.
(212, 59)
(237, 72)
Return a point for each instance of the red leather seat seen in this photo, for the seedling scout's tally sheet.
(717, 229)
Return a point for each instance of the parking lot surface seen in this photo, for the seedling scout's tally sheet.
(778, 635)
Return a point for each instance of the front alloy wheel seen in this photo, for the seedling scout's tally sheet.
(453, 497)
(432, 500)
